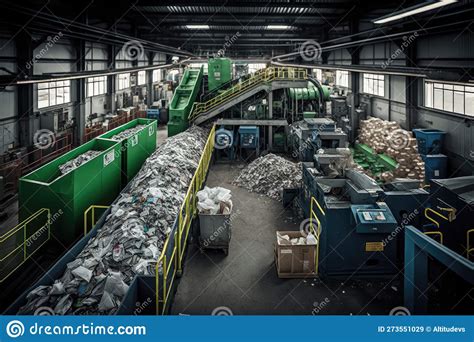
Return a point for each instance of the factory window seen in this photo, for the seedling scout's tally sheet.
(96, 85)
(141, 77)
(256, 66)
(53, 93)
(123, 81)
(374, 84)
(318, 74)
(450, 97)
(342, 78)
(156, 75)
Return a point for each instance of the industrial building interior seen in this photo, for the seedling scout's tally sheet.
(243, 157)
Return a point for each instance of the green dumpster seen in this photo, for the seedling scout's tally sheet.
(67, 196)
(136, 148)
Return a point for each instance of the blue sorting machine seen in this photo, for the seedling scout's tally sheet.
(249, 137)
(225, 144)
(355, 226)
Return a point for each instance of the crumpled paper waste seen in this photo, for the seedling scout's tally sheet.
(127, 133)
(214, 201)
(131, 240)
(269, 175)
(78, 161)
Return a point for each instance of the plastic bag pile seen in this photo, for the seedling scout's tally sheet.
(131, 239)
(214, 201)
(309, 239)
(78, 161)
(269, 175)
(127, 133)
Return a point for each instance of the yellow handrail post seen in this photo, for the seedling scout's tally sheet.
(317, 232)
(436, 233)
(469, 250)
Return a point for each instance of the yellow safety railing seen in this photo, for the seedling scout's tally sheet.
(469, 250)
(92, 209)
(261, 76)
(436, 234)
(9, 241)
(178, 241)
(316, 232)
(429, 210)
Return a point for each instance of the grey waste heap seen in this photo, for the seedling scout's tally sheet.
(127, 133)
(78, 161)
(269, 174)
(131, 240)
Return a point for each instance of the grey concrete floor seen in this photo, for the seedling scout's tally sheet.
(245, 282)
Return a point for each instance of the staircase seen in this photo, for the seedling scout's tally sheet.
(265, 79)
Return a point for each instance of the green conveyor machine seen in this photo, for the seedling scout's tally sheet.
(183, 100)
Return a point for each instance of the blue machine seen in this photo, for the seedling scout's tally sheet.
(430, 141)
(249, 137)
(225, 144)
(153, 113)
(355, 226)
(436, 166)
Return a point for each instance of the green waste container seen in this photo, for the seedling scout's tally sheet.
(96, 182)
(136, 148)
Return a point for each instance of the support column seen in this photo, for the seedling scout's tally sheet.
(79, 111)
(149, 81)
(270, 116)
(24, 53)
(411, 88)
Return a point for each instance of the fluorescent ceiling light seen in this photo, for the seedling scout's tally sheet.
(420, 8)
(278, 27)
(198, 27)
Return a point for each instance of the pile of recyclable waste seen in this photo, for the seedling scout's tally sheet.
(78, 161)
(132, 237)
(269, 175)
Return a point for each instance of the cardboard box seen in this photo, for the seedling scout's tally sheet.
(294, 261)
